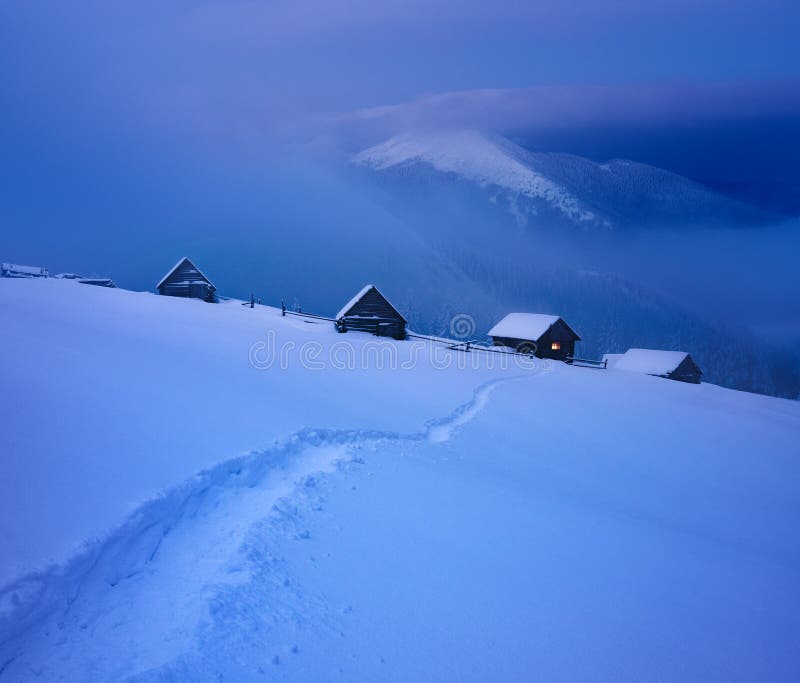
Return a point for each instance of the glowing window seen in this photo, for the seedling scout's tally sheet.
(555, 346)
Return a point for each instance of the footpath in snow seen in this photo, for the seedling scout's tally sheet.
(478, 548)
(137, 600)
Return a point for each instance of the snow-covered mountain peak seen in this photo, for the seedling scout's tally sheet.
(546, 189)
(483, 159)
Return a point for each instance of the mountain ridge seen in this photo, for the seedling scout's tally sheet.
(555, 188)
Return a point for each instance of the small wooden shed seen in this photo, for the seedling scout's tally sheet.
(16, 271)
(545, 336)
(677, 365)
(187, 280)
(370, 311)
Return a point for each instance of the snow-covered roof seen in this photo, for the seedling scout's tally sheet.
(34, 271)
(346, 308)
(177, 265)
(610, 359)
(100, 281)
(524, 325)
(650, 361)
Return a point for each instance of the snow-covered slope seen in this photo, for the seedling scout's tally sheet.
(115, 395)
(548, 189)
(339, 517)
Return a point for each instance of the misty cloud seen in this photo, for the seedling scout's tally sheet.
(546, 108)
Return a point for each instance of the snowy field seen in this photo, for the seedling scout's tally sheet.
(177, 504)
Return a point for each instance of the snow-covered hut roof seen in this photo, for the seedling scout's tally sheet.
(650, 361)
(178, 265)
(16, 270)
(344, 310)
(525, 326)
(99, 281)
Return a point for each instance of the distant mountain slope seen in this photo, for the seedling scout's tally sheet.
(553, 189)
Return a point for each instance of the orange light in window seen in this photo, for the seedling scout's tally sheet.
(555, 346)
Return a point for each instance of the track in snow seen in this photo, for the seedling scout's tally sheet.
(106, 614)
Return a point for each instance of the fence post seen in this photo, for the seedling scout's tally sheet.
(283, 308)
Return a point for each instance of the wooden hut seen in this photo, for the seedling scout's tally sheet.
(677, 365)
(370, 311)
(187, 280)
(545, 336)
